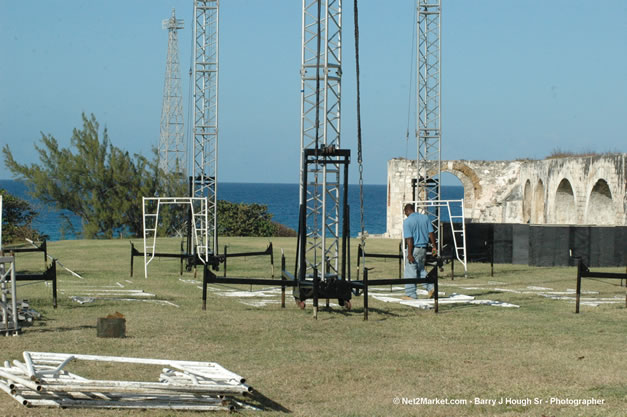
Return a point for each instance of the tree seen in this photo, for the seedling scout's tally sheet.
(17, 218)
(100, 183)
(244, 220)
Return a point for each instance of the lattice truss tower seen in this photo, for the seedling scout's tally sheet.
(172, 151)
(323, 70)
(428, 106)
(205, 114)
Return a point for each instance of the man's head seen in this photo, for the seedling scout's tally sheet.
(409, 209)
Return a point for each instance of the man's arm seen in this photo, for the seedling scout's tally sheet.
(434, 246)
(410, 249)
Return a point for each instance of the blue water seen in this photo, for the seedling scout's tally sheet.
(281, 199)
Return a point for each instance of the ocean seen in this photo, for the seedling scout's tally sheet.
(281, 199)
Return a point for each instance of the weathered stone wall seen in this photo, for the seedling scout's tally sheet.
(577, 190)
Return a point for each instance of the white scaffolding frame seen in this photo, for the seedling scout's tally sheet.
(9, 314)
(199, 224)
(459, 233)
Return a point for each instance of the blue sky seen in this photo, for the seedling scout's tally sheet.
(519, 78)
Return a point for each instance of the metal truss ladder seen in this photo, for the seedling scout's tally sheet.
(458, 231)
(198, 207)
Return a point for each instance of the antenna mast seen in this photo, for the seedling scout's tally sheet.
(321, 74)
(205, 131)
(172, 152)
(428, 108)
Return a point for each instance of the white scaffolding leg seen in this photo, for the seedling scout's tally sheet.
(9, 314)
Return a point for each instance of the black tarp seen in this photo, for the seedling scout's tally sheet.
(552, 245)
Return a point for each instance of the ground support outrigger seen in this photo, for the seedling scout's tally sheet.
(584, 272)
(287, 280)
(361, 253)
(431, 278)
(50, 274)
(42, 247)
(267, 252)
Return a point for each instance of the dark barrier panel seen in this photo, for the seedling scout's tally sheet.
(620, 246)
(580, 243)
(477, 235)
(537, 245)
(520, 246)
(549, 245)
(603, 239)
(503, 238)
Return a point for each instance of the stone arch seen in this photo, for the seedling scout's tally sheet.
(600, 204)
(526, 205)
(537, 212)
(565, 207)
(470, 180)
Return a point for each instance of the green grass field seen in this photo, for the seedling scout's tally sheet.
(395, 364)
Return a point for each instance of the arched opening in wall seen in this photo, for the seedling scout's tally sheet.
(526, 206)
(600, 205)
(453, 188)
(565, 210)
(537, 211)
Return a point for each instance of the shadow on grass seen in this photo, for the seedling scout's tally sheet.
(45, 329)
(357, 311)
(486, 293)
(266, 403)
(455, 308)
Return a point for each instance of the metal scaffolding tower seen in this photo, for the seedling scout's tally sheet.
(321, 74)
(428, 108)
(172, 151)
(205, 114)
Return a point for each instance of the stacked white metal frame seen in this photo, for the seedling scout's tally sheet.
(428, 107)
(205, 114)
(321, 75)
(458, 226)
(200, 225)
(43, 380)
(172, 152)
(10, 317)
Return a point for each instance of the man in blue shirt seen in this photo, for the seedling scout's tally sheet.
(417, 230)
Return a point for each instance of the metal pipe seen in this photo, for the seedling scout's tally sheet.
(18, 379)
(578, 297)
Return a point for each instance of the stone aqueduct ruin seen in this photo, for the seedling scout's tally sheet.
(562, 191)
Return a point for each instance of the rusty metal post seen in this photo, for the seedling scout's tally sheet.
(365, 294)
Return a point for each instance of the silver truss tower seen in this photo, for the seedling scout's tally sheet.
(321, 74)
(172, 152)
(205, 131)
(428, 107)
